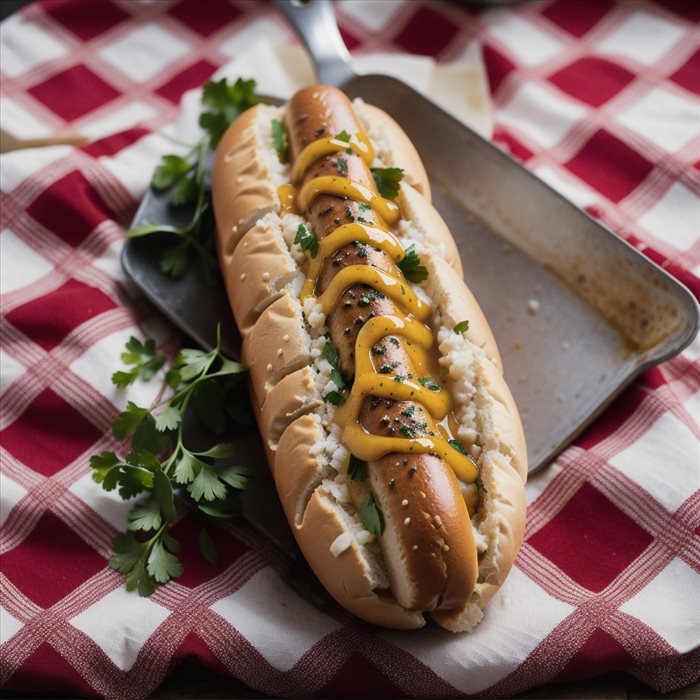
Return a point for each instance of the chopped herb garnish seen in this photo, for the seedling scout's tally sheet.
(399, 378)
(408, 411)
(430, 383)
(279, 139)
(407, 431)
(307, 240)
(386, 369)
(342, 164)
(371, 515)
(411, 267)
(343, 136)
(334, 397)
(357, 469)
(379, 350)
(457, 445)
(461, 327)
(394, 341)
(480, 485)
(330, 352)
(387, 181)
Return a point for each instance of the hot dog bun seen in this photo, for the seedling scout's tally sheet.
(445, 545)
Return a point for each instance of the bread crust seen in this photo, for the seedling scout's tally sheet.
(263, 280)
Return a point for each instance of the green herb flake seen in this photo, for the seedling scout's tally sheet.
(480, 485)
(461, 327)
(342, 165)
(279, 139)
(357, 469)
(457, 445)
(371, 515)
(335, 398)
(307, 240)
(430, 383)
(343, 136)
(411, 266)
(387, 181)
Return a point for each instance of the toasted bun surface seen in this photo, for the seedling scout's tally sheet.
(427, 525)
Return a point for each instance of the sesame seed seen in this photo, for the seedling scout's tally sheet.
(279, 352)
(269, 367)
(415, 548)
(404, 503)
(407, 521)
(285, 337)
(266, 276)
(438, 520)
(445, 547)
(242, 276)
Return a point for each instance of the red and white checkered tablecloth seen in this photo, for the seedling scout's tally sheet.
(599, 98)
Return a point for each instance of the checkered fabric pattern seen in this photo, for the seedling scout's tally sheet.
(599, 98)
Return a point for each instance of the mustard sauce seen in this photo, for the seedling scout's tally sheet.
(410, 326)
(358, 144)
(344, 187)
(287, 194)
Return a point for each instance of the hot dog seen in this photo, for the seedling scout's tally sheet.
(394, 442)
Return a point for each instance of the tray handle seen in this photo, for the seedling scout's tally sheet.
(315, 24)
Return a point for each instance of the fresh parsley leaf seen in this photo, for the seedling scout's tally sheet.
(430, 383)
(144, 359)
(146, 517)
(461, 327)
(162, 565)
(387, 181)
(187, 468)
(126, 552)
(357, 469)
(335, 397)
(410, 266)
(173, 261)
(343, 136)
(222, 450)
(457, 445)
(169, 171)
(169, 419)
(128, 421)
(330, 352)
(207, 485)
(371, 515)
(279, 139)
(224, 103)
(307, 240)
(235, 476)
(163, 492)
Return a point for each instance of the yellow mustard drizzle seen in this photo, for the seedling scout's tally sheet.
(344, 187)
(358, 144)
(287, 195)
(340, 237)
(369, 383)
(419, 338)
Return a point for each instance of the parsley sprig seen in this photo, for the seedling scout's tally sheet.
(387, 180)
(411, 266)
(159, 463)
(185, 177)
